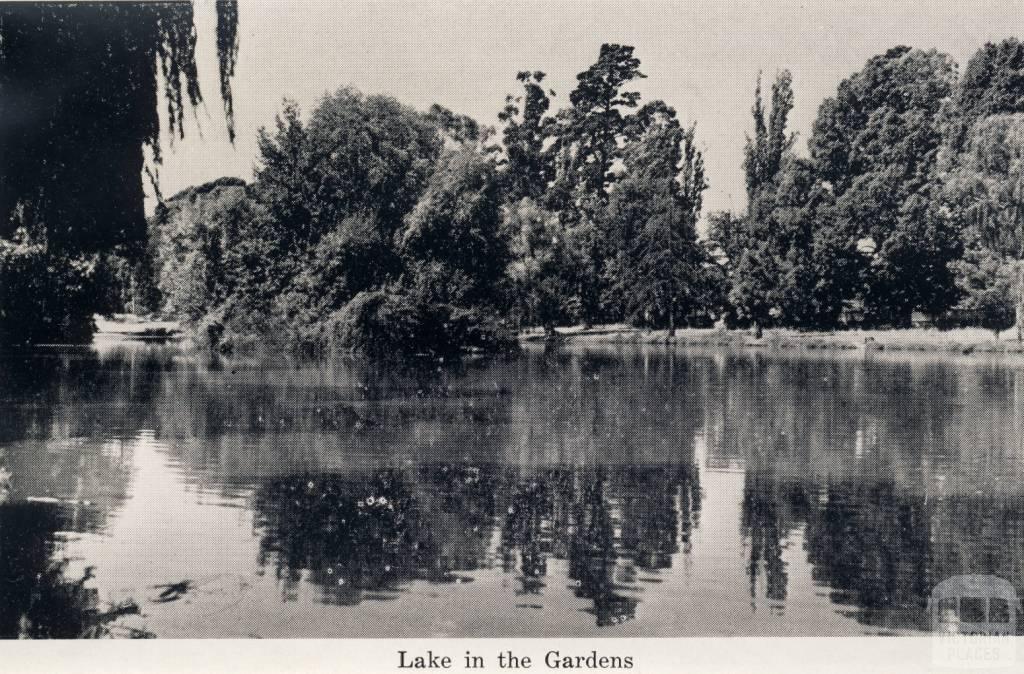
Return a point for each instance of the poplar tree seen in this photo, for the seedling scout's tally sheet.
(759, 257)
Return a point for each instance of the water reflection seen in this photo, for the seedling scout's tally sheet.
(368, 536)
(632, 491)
(40, 600)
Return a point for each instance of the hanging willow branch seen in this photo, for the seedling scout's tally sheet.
(78, 102)
(176, 50)
(227, 51)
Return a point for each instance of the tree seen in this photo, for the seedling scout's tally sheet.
(44, 298)
(527, 168)
(79, 107)
(457, 225)
(875, 146)
(357, 155)
(78, 111)
(985, 191)
(587, 141)
(350, 259)
(823, 259)
(321, 222)
(538, 244)
(727, 235)
(765, 153)
(980, 160)
(653, 211)
(544, 267)
(787, 261)
(990, 287)
(454, 259)
(991, 84)
(361, 231)
(759, 251)
(587, 134)
(190, 235)
(457, 128)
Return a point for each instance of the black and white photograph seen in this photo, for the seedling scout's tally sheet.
(409, 319)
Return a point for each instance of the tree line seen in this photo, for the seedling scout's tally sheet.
(389, 226)
(372, 226)
(908, 200)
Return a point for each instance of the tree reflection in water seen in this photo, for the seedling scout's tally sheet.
(861, 482)
(592, 556)
(871, 545)
(369, 536)
(350, 537)
(527, 530)
(37, 599)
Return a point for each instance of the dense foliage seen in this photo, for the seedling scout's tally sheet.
(908, 203)
(982, 174)
(79, 85)
(374, 227)
(656, 269)
(362, 230)
(43, 297)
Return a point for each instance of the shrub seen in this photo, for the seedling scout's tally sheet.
(375, 322)
(395, 322)
(989, 295)
(45, 298)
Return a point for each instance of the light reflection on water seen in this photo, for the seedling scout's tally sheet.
(615, 492)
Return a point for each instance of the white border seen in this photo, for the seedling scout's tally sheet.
(727, 655)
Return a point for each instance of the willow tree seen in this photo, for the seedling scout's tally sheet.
(79, 97)
(80, 88)
(983, 175)
(985, 191)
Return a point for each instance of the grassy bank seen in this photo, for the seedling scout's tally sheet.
(961, 340)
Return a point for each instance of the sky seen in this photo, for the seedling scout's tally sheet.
(700, 56)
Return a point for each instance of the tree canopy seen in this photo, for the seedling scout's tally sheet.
(875, 144)
(375, 226)
(80, 85)
(80, 90)
(655, 274)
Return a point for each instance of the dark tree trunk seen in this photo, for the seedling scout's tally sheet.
(1020, 301)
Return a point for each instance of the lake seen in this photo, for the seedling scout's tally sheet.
(606, 491)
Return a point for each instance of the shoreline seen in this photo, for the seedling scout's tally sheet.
(927, 340)
(958, 340)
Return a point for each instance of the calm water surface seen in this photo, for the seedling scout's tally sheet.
(588, 492)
